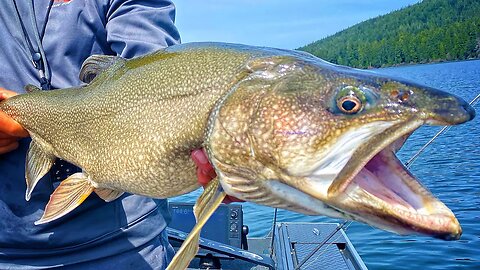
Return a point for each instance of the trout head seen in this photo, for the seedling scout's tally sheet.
(305, 135)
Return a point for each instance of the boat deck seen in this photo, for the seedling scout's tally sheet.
(295, 245)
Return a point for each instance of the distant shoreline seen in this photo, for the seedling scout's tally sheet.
(431, 31)
(426, 63)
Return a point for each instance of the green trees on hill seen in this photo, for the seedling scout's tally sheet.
(433, 30)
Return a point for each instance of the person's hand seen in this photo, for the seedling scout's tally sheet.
(205, 172)
(10, 130)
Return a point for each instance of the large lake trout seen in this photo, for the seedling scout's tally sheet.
(281, 128)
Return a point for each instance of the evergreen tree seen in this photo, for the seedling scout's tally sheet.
(432, 30)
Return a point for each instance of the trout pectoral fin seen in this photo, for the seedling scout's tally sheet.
(107, 194)
(206, 204)
(38, 164)
(68, 195)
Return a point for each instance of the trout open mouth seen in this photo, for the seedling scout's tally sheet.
(383, 193)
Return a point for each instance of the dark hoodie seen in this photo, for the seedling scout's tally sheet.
(75, 29)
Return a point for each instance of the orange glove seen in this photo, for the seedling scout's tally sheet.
(205, 172)
(10, 130)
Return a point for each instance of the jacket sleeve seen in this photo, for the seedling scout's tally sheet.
(137, 27)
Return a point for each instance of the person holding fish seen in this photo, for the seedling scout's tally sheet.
(282, 128)
(127, 233)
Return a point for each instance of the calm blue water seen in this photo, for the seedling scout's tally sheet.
(450, 168)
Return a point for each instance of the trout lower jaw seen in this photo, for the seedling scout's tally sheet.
(386, 195)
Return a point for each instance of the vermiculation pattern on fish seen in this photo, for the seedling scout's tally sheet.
(281, 128)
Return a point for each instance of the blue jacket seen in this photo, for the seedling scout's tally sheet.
(75, 29)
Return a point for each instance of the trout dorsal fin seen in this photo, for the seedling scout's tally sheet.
(30, 88)
(67, 196)
(39, 161)
(96, 64)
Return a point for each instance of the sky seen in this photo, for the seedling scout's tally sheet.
(286, 24)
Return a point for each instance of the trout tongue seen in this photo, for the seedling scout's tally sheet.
(373, 185)
(397, 200)
(385, 177)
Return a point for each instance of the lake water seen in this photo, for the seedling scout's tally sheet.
(450, 168)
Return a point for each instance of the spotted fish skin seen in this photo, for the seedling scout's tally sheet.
(134, 126)
(281, 128)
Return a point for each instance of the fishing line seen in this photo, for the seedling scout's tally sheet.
(443, 130)
(345, 228)
(339, 227)
(273, 230)
(344, 224)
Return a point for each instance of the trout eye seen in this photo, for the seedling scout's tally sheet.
(352, 99)
(349, 104)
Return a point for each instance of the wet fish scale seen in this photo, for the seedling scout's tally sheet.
(168, 116)
(281, 128)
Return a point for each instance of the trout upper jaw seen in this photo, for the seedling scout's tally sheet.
(328, 167)
(446, 109)
(374, 187)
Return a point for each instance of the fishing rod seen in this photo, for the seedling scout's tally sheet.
(443, 130)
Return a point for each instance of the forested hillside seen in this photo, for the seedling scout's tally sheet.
(432, 30)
